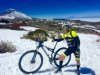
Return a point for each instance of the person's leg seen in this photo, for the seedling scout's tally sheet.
(78, 66)
(62, 57)
(78, 63)
(77, 58)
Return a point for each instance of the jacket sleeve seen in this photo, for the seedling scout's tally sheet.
(61, 39)
(74, 34)
(58, 40)
(76, 38)
(77, 41)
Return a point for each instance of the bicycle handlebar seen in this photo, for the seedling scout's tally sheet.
(38, 40)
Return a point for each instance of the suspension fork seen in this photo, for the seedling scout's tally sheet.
(34, 55)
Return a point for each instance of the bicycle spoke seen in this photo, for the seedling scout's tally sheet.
(57, 55)
(27, 65)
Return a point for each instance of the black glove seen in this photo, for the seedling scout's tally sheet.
(58, 40)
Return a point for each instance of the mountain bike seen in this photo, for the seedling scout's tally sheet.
(31, 61)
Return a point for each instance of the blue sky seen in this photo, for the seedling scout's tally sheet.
(53, 8)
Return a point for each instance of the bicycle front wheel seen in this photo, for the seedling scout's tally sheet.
(30, 62)
(57, 55)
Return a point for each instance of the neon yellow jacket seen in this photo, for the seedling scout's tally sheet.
(71, 38)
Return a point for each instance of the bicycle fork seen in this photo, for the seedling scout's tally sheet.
(34, 56)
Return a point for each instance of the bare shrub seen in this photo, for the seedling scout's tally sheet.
(7, 47)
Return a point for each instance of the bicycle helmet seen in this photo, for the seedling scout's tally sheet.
(66, 26)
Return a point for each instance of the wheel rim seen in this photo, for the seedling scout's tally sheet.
(57, 55)
(26, 64)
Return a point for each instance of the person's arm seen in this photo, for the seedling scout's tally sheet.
(61, 39)
(58, 40)
(76, 38)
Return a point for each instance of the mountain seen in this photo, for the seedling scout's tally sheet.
(13, 14)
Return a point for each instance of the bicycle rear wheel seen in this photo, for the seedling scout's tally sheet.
(30, 62)
(58, 53)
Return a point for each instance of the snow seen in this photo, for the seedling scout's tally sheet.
(2, 23)
(21, 15)
(88, 19)
(90, 54)
(88, 27)
(6, 23)
(7, 16)
(28, 28)
(12, 14)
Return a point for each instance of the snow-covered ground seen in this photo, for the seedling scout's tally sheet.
(88, 19)
(88, 27)
(28, 28)
(90, 55)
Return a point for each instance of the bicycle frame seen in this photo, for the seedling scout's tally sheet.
(36, 54)
(49, 49)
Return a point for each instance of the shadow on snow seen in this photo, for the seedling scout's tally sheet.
(83, 70)
(47, 70)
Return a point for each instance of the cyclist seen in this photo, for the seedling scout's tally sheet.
(73, 42)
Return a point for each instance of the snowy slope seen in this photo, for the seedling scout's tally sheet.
(90, 55)
(12, 14)
(88, 19)
(88, 27)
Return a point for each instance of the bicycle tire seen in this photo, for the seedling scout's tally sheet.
(55, 57)
(21, 58)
